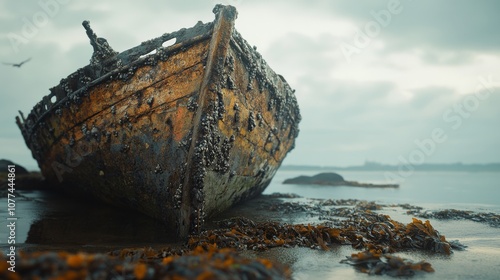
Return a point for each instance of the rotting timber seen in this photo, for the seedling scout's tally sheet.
(180, 132)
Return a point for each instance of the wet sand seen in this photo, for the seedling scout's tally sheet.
(50, 221)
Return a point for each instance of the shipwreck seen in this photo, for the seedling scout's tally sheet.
(178, 132)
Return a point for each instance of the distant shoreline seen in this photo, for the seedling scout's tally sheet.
(374, 166)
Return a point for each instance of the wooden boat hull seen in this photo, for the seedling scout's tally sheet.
(180, 135)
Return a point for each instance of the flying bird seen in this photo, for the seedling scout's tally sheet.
(17, 64)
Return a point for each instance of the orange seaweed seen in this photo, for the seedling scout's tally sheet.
(207, 275)
(76, 261)
(140, 271)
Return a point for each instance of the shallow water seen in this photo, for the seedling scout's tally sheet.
(465, 190)
(475, 191)
(49, 218)
(51, 221)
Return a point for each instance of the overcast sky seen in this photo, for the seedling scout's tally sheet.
(387, 81)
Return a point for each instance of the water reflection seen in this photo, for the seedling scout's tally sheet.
(51, 218)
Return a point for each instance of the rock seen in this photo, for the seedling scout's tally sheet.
(23, 179)
(28, 181)
(4, 163)
(332, 179)
(319, 179)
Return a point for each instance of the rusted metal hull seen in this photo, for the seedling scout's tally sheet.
(180, 135)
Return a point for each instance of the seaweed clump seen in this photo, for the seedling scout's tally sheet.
(378, 235)
(198, 264)
(373, 261)
(365, 231)
(491, 219)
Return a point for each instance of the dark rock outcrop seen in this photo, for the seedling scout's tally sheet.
(4, 163)
(23, 179)
(332, 179)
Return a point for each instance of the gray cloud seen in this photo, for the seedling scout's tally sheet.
(345, 120)
(447, 57)
(447, 24)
